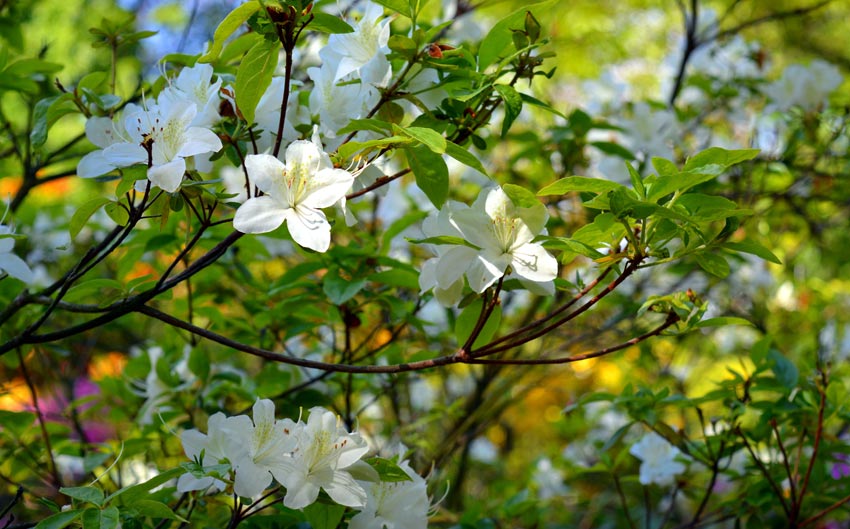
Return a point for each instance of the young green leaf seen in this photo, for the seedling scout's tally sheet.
(431, 173)
(231, 23)
(513, 105)
(254, 76)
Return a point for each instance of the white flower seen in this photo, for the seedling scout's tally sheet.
(364, 50)
(195, 85)
(447, 293)
(102, 132)
(166, 130)
(658, 460)
(295, 192)
(651, 131)
(9, 262)
(217, 446)
(325, 454)
(548, 479)
(806, 87)
(396, 505)
(266, 445)
(502, 235)
(337, 104)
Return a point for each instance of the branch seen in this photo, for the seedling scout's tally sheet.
(672, 318)
(489, 349)
(292, 360)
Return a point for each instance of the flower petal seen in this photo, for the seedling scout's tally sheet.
(299, 492)
(533, 262)
(327, 187)
(168, 176)
(344, 490)
(16, 267)
(309, 228)
(267, 173)
(199, 140)
(93, 164)
(251, 479)
(125, 154)
(259, 215)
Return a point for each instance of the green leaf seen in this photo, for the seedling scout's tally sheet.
(329, 24)
(513, 105)
(59, 520)
(442, 239)
(501, 35)
(136, 492)
(712, 263)
(388, 469)
(155, 509)
(541, 104)
(751, 247)
(664, 167)
(254, 76)
(431, 173)
(339, 289)
(117, 213)
(107, 518)
(399, 6)
(231, 23)
(637, 181)
(714, 157)
(467, 319)
(723, 321)
(324, 515)
(83, 214)
(91, 495)
(345, 151)
(614, 149)
(16, 422)
(580, 184)
(563, 243)
(404, 46)
(465, 157)
(427, 137)
(785, 371)
(374, 125)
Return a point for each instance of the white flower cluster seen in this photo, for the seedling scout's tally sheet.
(162, 135)
(500, 235)
(807, 87)
(659, 463)
(304, 458)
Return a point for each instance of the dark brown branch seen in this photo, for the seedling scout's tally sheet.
(672, 318)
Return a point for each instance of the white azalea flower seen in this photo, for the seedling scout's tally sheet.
(396, 505)
(805, 86)
(364, 50)
(658, 460)
(166, 128)
(338, 103)
(294, 192)
(103, 132)
(448, 294)
(326, 453)
(502, 235)
(195, 85)
(9, 262)
(267, 444)
(217, 445)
